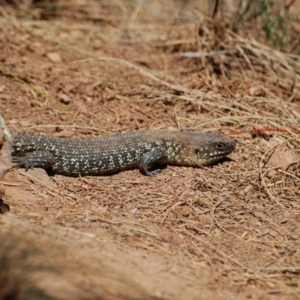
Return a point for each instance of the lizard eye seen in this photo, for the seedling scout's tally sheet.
(220, 146)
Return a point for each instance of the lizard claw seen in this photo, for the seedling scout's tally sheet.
(153, 172)
(22, 162)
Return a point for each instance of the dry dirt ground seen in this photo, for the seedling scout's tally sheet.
(229, 231)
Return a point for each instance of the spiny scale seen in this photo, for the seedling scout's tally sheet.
(105, 155)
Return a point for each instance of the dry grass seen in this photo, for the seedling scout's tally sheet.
(223, 232)
(19, 260)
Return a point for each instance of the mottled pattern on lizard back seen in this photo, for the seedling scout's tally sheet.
(118, 152)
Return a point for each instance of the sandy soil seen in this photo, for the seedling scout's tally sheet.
(229, 231)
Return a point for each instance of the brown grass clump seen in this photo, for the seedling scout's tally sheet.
(28, 270)
(19, 260)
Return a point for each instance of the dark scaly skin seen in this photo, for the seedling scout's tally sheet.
(106, 155)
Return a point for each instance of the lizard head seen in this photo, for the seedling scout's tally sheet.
(208, 148)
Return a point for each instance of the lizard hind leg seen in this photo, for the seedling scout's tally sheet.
(35, 159)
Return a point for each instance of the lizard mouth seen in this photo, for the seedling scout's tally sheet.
(213, 159)
(204, 159)
(220, 154)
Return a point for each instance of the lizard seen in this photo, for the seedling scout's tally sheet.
(147, 150)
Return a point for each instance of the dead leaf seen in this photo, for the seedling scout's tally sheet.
(54, 57)
(282, 158)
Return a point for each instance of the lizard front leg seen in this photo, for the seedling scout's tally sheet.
(155, 156)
